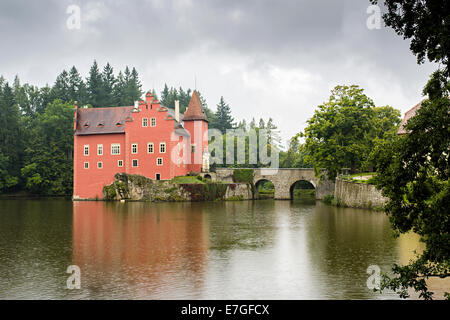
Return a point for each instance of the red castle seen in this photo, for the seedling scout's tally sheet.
(147, 139)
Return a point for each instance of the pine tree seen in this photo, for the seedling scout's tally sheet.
(60, 89)
(10, 137)
(128, 87)
(273, 134)
(77, 88)
(119, 89)
(165, 95)
(135, 86)
(262, 124)
(222, 117)
(95, 86)
(109, 82)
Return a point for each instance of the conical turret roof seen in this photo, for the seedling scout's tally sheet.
(195, 110)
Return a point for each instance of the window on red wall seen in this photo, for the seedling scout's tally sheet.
(162, 147)
(150, 147)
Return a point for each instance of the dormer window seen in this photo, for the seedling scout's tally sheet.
(118, 124)
(101, 124)
(86, 124)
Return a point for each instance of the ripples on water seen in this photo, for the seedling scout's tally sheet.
(214, 250)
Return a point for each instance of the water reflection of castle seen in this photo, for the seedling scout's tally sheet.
(141, 245)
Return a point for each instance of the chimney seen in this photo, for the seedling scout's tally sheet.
(177, 110)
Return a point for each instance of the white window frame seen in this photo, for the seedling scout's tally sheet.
(153, 147)
(118, 163)
(137, 163)
(144, 122)
(152, 122)
(86, 148)
(101, 165)
(86, 163)
(160, 145)
(100, 149)
(115, 145)
(132, 147)
(157, 162)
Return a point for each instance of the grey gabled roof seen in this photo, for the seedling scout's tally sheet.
(112, 120)
(102, 120)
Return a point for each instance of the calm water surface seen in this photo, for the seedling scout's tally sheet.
(217, 250)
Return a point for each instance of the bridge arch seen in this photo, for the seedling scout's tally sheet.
(268, 184)
(301, 184)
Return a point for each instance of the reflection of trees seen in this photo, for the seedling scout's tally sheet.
(343, 242)
(35, 248)
(143, 246)
(242, 225)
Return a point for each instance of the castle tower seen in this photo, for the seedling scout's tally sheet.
(196, 122)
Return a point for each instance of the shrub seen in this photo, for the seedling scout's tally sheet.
(328, 199)
(243, 175)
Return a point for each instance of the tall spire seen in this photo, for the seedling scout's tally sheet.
(195, 109)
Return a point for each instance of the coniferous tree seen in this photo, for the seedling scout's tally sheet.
(95, 86)
(118, 90)
(135, 86)
(222, 117)
(10, 137)
(77, 88)
(109, 82)
(164, 95)
(60, 89)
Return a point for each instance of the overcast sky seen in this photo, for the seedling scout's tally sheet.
(276, 59)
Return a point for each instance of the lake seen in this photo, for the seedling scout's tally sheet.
(262, 249)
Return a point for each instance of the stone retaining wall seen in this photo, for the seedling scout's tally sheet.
(358, 195)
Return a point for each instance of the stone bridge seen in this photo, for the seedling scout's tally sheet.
(283, 180)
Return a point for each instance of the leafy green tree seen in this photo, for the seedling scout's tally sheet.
(413, 172)
(222, 117)
(339, 133)
(294, 157)
(48, 167)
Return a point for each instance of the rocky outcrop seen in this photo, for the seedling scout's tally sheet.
(136, 187)
(139, 188)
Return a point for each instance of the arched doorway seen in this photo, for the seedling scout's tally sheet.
(207, 176)
(264, 189)
(302, 190)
